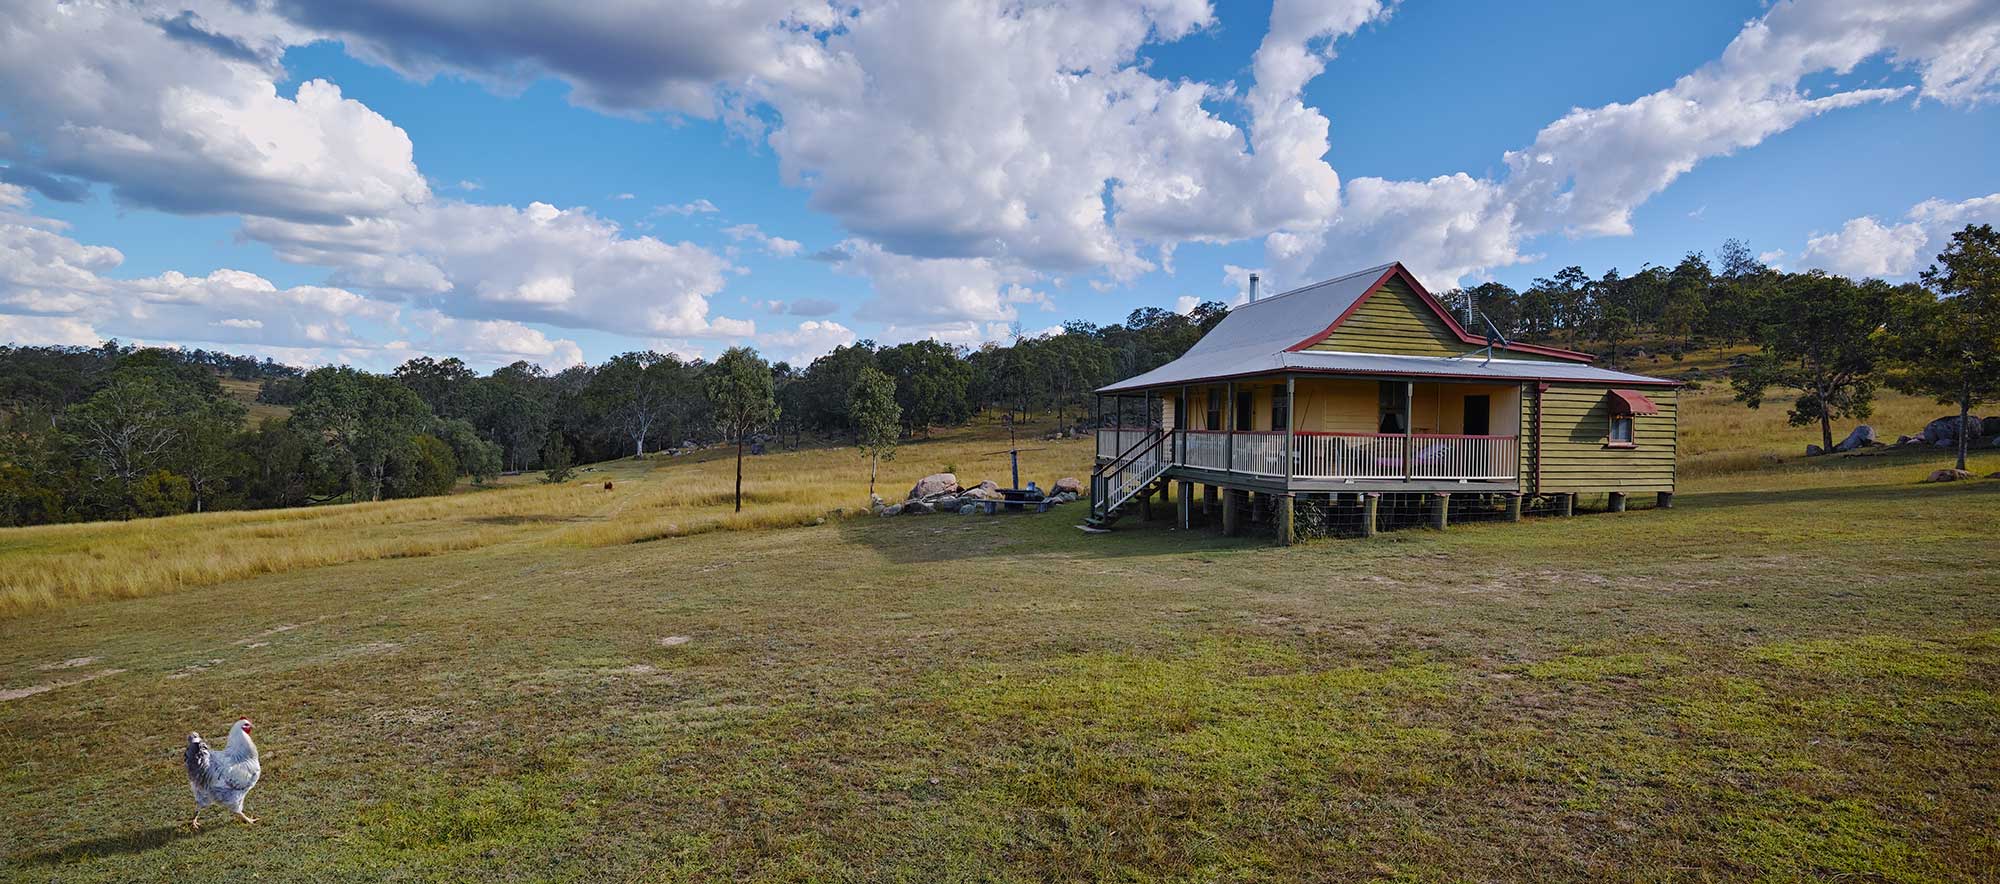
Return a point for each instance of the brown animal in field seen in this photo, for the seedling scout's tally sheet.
(607, 486)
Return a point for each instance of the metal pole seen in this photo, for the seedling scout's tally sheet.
(1229, 407)
(1291, 421)
(1181, 424)
(1409, 424)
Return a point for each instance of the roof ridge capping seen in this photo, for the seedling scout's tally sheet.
(1395, 268)
(1379, 268)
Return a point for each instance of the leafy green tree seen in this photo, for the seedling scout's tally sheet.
(161, 493)
(514, 408)
(423, 468)
(876, 418)
(931, 383)
(828, 382)
(1817, 335)
(739, 386)
(1075, 364)
(1740, 279)
(281, 466)
(1567, 299)
(637, 391)
(441, 383)
(1948, 347)
(128, 428)
(476, 457)
(155, 415)
(1493, 302)
(207, 456)
(37, 475)
(361, 420)
(1686, 303)
(558, 462)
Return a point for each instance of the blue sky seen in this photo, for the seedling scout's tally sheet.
(557, 184)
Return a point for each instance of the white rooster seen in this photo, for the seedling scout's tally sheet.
(224, 778)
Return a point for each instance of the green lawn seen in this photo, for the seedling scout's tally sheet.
(1794, 674)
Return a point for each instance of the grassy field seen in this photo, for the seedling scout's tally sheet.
(49, 566)
(246, 392)
(1793, 675)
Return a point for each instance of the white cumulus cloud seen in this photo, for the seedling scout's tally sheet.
(1867, 247)
(170, 119)
(564, 267)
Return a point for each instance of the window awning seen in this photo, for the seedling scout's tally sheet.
(1625, 403)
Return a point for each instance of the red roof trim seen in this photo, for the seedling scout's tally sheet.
(1397, 270)
(1631, 402)
(1327, 332)
(1280, 372)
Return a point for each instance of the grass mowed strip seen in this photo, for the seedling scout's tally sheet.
(1794, 674)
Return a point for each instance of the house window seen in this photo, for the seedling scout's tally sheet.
(1281, 410)
(1621, 432)
(1623, 405)
(1214, 401)
(1246, 410)
(1394, 397)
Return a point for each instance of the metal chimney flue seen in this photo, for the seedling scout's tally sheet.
(1253, 288)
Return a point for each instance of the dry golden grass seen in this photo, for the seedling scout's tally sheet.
(1720, 436)
(57, 565)
(695, 494)
(246, 393)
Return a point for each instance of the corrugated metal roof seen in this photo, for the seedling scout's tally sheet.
(1255, 339)
(1244, 363)
(1286, 318)
(1462, 366)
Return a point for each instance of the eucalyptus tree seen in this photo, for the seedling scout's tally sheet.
(1948, 347)
(1817, 335)
(739, 387)
(876, 418)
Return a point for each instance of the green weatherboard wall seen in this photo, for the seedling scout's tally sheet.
(1575, 421)
(1396, 320)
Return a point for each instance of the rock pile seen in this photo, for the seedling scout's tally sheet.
(941, 493)
(1944, 432)
(1941, 433)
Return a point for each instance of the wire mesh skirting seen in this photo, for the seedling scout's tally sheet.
(1319, 515)
(1346, 514)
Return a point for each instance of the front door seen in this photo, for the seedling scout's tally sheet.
(1478, 413)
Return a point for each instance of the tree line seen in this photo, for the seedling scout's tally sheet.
(117, 432)
(1829, 341)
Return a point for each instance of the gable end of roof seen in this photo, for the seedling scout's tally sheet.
(1396, 270)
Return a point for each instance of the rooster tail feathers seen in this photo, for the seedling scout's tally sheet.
(196, 758)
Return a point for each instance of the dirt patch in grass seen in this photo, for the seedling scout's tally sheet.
(22, 693)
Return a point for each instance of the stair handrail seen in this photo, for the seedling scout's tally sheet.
(1100, 486)
(1154, 436)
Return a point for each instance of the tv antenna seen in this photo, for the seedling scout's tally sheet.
(1493, 338)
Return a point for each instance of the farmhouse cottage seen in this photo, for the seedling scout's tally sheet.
(1343, 391)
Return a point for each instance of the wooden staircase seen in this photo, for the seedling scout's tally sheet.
(1121, 483)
